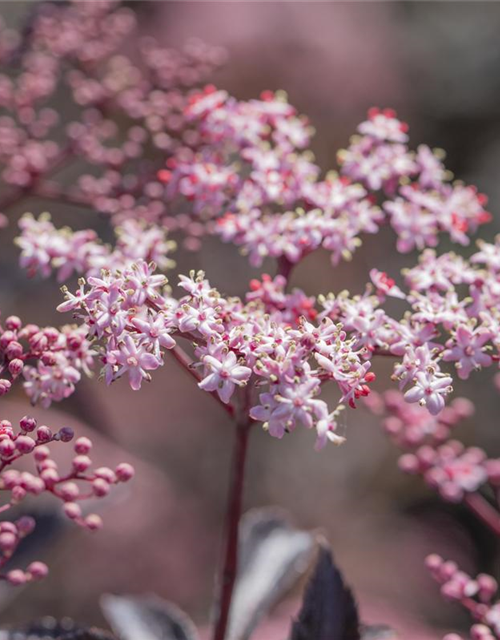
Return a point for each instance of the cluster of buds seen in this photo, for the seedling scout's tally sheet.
(81, 482)
(264, 344)
(477, 595)
(444, 464)
(452, 469)
(410, 425)
(50, 360)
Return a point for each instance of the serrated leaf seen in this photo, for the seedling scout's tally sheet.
(328, 610)
(273, 555)
(146, 618)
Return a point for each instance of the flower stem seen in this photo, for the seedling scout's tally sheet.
(285, 267)
(231, 526)
(484, 511)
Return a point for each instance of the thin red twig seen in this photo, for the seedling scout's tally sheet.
(231, 526)
(484, 511)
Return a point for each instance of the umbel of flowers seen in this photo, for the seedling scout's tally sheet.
(191, 162)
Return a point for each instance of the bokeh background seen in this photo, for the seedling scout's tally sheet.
(438, 65)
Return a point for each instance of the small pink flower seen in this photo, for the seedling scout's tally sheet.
(224, 375)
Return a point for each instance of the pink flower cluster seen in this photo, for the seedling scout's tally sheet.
(264, 345)
(45, 249)
(79, 483)
(477, 595)
(50, 360)
(252, 157)
(75, 45)
(424, 202)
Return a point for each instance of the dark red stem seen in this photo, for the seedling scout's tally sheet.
(484, 511)
(285, 267)
(233, 515)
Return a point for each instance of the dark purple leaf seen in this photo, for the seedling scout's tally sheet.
(273, 555)
(328, 610)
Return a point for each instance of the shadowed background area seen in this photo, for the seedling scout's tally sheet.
(437, 65)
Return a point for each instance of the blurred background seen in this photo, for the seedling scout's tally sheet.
(438, 65)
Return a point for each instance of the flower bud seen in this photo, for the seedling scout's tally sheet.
(27, 424)
(93, 522)
(16, 577)
(5, 386)
(66, 434)
(15, 367)
(25, 525)
(13, 323)
(100, 487)
(8, 541)
(81, 463)
(72, 510)
(43, 434)
(38, 570)
(125, 472)
(25, 444)
(83, 446)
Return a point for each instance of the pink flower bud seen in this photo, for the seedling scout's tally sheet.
(6, 429)
(13, 323)
(481, 632)
(433, 562)
(43, 434)
(7, 448)
(48, 463)
(125, 472)
(11, 478)
(83, 446)
(93, 522)
(16, 577)
(14, 350)
(448, 569)
(18, 494)
(488, 586)
(7, 541)
(6, 338)
(38, 570)
(72, 510)
(41, 453)
(27, 424)
(49, 476)
(5, 386)
(408, 463)
(69, 491)
(100, 487)
(81, 463)
(25, 525)
(106, 474)
(48, 358)
(25, 444)
(15, 367)
(9, 527)
(32, 484)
